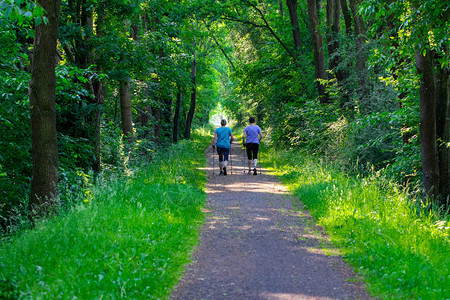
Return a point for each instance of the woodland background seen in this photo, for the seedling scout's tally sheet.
(362, 83)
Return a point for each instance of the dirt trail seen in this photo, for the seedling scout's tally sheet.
(255, 245)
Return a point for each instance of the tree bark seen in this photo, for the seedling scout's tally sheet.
(335, 59)
(125, 108)
(44, 179)
(443, 130)
(347, 17)
(427, 131)
(99, 94)
(176, 117)
(333, 28)
(293, 16)
(361, 57)
(319, 57)
(158, 121)
(190, 116)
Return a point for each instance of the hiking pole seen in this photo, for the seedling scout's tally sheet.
(231, 161)
(243, 151)
(259, 159)
(213, 159)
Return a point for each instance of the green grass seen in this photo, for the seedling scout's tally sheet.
(400, 247)
(130, 238)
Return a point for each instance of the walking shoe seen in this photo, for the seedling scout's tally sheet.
(254, 172)
(249, 172)
(224, 171)
(221, 173)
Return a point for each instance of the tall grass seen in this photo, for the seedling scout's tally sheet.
(401, 247)
(130, 238)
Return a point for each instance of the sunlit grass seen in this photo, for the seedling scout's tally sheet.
(131, 238)
(400, 246)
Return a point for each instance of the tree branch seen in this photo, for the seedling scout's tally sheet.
(218, 45)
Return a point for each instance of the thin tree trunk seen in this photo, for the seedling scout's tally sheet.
(218, 45)
(167, 115)
(190, 116)
(293, 16)
(44, 179)
(333, 26)
(157, 127)
(361, 57)
(347, 17)
(125, 108)
(176, 117)
(319, 57)
(427, 131)
(98, 92)
(99, 97)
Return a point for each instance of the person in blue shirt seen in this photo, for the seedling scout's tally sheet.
(251, 138)
(223, 138)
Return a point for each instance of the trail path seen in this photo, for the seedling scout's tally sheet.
(256, 245)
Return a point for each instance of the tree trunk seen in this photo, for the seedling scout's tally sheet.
(361, 57)
(125, 109)
(427, 131)
(167, 115)
(443, 130)
(347, 17)
(319, 58)
(333, 28)
(157, 127)
(98, 92)
(99, 96)
(176, 117)
(293, 16)
(190, 116)
(44, 179)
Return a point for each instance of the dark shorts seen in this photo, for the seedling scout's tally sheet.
(252, 150)
(223, 153)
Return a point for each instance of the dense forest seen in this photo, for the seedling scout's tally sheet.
(90, 87)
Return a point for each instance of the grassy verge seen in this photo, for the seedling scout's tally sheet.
(130, 239)
(401, 248)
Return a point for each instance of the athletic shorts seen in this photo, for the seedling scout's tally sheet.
(252, 150)
(223, 153)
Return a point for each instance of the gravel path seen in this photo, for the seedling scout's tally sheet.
(256, 245)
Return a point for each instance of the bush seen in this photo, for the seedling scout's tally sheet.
(399, 245)
(128, 238)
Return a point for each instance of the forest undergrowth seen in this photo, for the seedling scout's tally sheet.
(129, 239)
(396, 242)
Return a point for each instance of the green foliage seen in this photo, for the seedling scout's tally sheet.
(130, 237)
(387, 235)
(15, 144)
(22, 12)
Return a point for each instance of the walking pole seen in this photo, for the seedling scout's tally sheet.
(243, 151)
(231, 161)
(213, 159)
(259, 160)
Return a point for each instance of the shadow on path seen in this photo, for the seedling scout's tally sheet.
(256, 245)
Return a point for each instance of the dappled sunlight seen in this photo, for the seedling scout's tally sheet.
(222, 184)
(286, 296)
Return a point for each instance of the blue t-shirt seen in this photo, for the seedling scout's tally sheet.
(252, 132)
(223, 137)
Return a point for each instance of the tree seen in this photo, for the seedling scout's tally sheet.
(418, 25)
(44, 180)
(293, 16)
(319, 56)
(190, 116)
